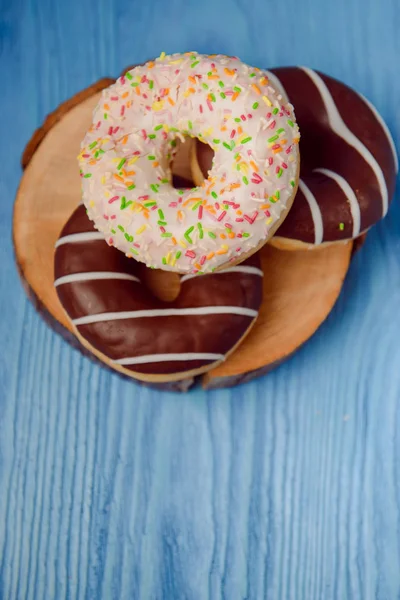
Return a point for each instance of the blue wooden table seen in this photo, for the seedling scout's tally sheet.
(285, 488)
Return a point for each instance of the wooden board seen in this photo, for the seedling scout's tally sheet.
(300, 288)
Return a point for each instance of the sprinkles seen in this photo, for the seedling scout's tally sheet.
(124, 161)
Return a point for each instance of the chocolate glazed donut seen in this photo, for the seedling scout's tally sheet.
(348, 160)
(118, 317)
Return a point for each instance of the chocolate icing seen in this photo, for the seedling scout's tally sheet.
(321, 147)
(133, 337)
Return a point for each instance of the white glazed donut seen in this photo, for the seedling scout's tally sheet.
(125, 162)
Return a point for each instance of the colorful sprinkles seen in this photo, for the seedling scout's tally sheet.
(126, 181)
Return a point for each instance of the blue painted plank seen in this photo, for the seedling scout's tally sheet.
(288, 487)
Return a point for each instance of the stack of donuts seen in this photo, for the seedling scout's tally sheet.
(247, 192)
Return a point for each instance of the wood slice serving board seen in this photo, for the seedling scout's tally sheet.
(300, 288)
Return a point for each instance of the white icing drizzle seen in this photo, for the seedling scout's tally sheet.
(166, 312)
(384, 127)
(157, 358)
(86, 236)
(315, 212)
(94, 276)
(350, 195)
(237, 269)
(340, 128)
(278, 85)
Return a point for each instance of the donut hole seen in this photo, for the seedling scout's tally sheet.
(205, 157)
(180, 164)
(164, 285)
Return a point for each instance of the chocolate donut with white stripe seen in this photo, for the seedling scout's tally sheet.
(117, 316)
(348, 160)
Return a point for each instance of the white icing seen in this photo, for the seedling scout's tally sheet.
(384, 127)
(176, 98)
(166, 312)
(94, 276)
(237, 269)
(87, 236)
(315, 212)
(350, 195)
(340, 128)
(278, 85)
(157, 358)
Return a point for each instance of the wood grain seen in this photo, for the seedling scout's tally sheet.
(284, 488)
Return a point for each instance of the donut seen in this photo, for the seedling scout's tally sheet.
(118, 318)
(349, 162)
(125, 162)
